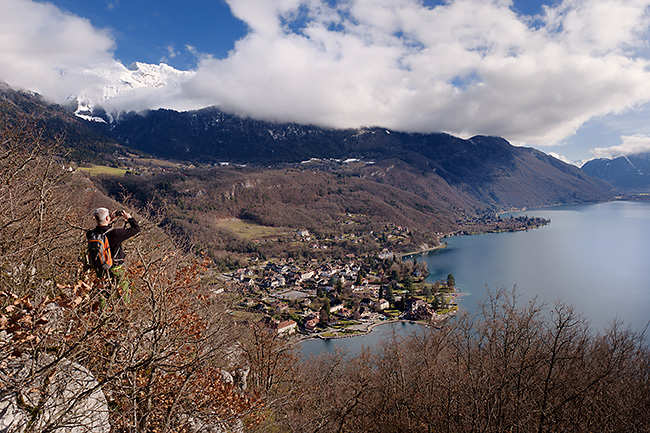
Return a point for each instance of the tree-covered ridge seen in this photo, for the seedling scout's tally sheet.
(630, 173)
(511, 368)
(78, 140)
(329, 204)
(488, 169)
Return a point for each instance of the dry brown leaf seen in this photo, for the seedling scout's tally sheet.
(26, 320)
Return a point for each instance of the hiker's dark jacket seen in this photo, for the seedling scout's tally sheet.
(116, 237)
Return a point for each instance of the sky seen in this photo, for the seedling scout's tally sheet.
(568, 77)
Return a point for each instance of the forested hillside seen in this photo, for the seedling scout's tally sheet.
(629, 173)
(489, 170)
(78, 140)
(359, 200)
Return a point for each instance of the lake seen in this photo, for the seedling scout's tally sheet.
(594, 257)
(354, 345)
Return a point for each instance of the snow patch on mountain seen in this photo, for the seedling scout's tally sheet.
(80, 113)
(108, 83)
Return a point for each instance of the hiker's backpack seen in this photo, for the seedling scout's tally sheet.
(99, 252)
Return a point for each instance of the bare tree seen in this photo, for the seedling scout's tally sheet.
(153, 363)
(33, 201)
(511, 368)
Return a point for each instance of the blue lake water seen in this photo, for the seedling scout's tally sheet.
(354, 345)
(595, 257)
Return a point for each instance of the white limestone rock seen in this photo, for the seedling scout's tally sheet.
(61, 397)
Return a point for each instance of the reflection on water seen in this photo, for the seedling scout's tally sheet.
(354, 345)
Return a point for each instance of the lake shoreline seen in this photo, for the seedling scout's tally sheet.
(441, 246)
(593, 247)
(370, 327)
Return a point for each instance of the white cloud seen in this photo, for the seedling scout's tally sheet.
(563, 158)
(172, 52)
(631, 144)
(588, 26)
(42, 48)
(466, 67)
(192, 50)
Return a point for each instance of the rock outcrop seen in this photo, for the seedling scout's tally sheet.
(44, 394)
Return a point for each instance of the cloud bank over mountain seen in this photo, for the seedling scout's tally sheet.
(465, 67)
(631, 145)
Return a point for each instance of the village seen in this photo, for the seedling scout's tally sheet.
(337, 298)
(330, 297)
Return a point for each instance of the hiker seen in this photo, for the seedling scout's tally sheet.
(113, 266)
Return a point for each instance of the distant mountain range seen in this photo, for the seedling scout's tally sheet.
(626, 173)
(485, 172)
(488, 169)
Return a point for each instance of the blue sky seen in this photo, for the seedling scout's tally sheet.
(153, 31)
(149, 30)
(569, 77)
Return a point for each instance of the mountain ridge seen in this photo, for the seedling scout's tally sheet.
(626, 173)
(489, 169)
(487, 174)
(56, 122)
(119, 83)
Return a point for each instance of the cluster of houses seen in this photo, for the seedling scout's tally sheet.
(312, 319)
(278, 327)
(284, 289)
(276, 285)
(417, 309)
(390, 233)
(286, 274)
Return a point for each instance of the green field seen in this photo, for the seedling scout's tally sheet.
(250, 230)
(245, 315)
(392, 313)
(156, 162)
(96, 170)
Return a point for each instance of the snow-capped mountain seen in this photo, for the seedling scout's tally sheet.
(113, 82)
